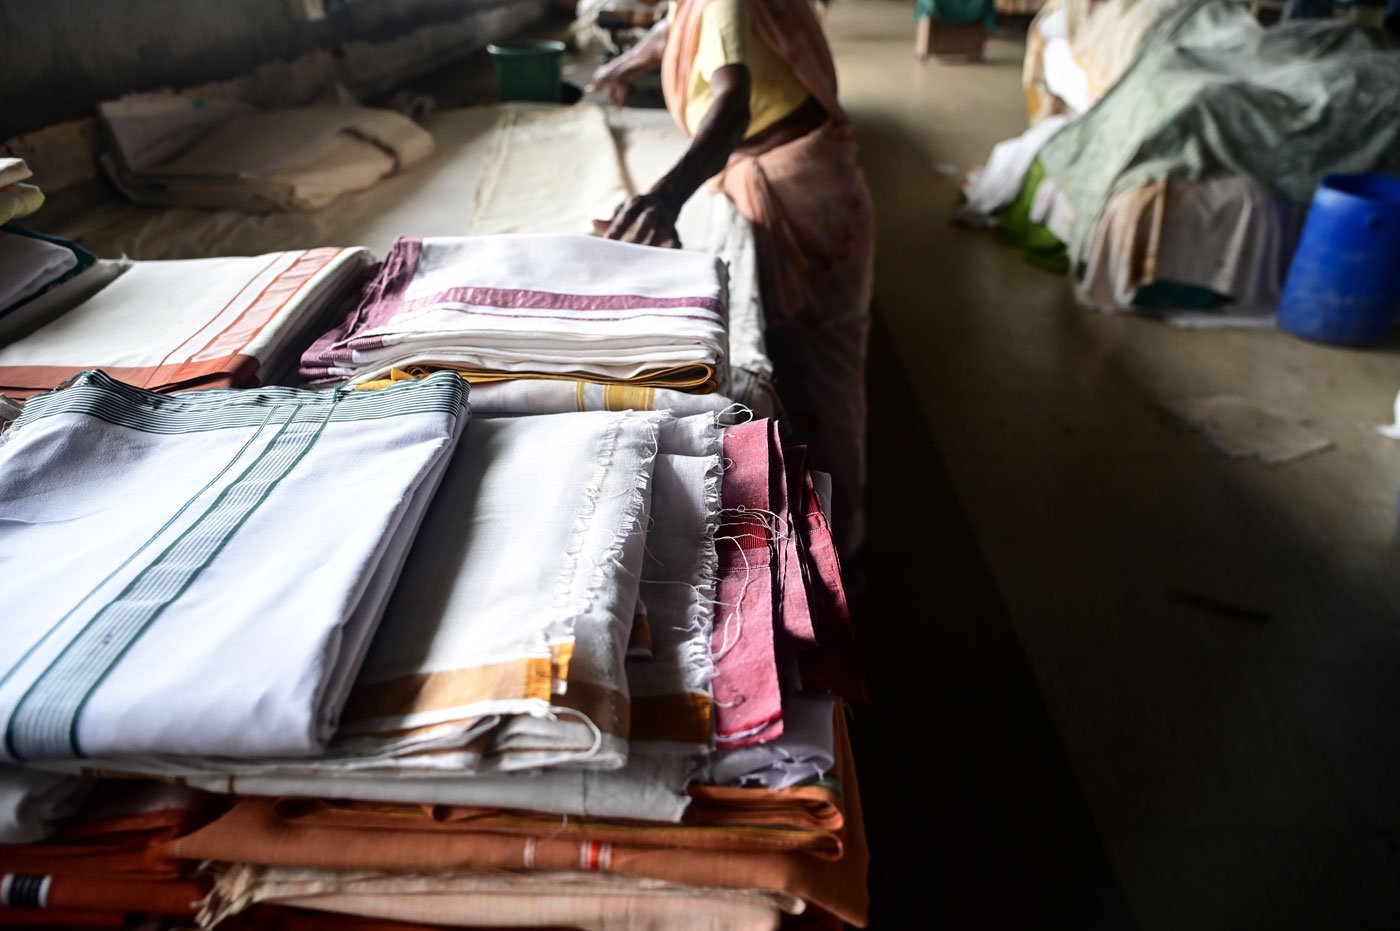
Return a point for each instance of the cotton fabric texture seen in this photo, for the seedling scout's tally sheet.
(521, 396)
(229, 322)
(252, 833)
(137, 516)
(579, 900)
(512, 618)
(587, 308)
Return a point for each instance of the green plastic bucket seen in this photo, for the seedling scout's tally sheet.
(528, 70)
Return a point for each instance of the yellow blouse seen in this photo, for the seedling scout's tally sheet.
(727, 38)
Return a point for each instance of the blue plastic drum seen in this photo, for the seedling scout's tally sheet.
(1343, 287)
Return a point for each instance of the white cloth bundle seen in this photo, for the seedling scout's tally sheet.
(671, 703)
(544, 396)
(514, 613)
(181, 150)
(496, 307)
(651, 787)
(28, 265)
(192, 322)
(200, 574)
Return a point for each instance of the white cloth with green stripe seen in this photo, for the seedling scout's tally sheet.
(200, 574)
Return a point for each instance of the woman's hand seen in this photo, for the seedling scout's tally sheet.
(613, 77)
(645, 56)
(646, 219)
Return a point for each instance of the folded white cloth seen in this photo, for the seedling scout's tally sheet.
(671, 703)
(513, 615)
(504, 644)
(548, 396)
(28, 265)
(523, 190)
(219, 322)
(200, 574)
(34, 805)
(517, 306)
(651, 787)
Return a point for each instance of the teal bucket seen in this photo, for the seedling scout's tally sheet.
(528, 70)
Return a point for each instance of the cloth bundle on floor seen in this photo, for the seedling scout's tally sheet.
(230, 322)
(1246, 101)
(138, 516)
(175, 150)
(17, 199)
(496, 308)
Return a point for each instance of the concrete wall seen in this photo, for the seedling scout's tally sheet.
(60, 57)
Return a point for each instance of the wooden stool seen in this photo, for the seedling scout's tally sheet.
(940, 38)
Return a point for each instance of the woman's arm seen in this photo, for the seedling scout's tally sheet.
(645, 56)
(650, 218)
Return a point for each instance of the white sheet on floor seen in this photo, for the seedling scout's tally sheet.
(180, 566)
(1000, 180)
(531, 184)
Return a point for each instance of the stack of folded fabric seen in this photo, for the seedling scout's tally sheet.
(176, 150)
(613, 825)
(513, 313)
(108, 862)
(228, 322)
(596, 683)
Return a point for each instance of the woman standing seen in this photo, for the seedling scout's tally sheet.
(753, 84)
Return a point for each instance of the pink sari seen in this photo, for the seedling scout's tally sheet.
(815, 230)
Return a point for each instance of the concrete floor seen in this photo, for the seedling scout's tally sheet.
(1096, 743)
